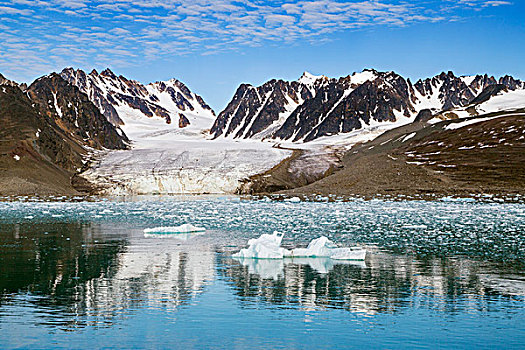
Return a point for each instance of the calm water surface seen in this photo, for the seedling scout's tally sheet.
(81, 274)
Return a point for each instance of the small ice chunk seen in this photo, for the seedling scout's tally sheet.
(265, 247)
(16, 157)
(320, 247)
(268, 247)
(179, 236)
(293, 200)
(185, 228)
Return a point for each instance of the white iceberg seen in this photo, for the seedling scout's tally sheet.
(320, 247)
(269, 247)
(265, 247)
(185, 228)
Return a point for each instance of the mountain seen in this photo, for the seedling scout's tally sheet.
(47, 131)
(139, 108)
(74, 114)
(4, 81)
(479, 157)
(317, 106)
(259, 111)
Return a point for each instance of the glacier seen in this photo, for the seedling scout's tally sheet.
(182, 166)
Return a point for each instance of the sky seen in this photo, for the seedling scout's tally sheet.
(215, 45)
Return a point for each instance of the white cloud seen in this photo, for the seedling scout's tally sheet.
(39, 31)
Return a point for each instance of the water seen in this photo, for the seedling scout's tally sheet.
(81, 274)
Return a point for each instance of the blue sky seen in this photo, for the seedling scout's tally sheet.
(214, 45)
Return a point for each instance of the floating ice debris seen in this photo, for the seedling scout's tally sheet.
(353, 253)
(293, 200)
(322, 247)
(185, 228)
(265, 247)
(268, 247)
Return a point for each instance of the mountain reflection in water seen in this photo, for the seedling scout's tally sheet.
(383, 284)
(92, 274)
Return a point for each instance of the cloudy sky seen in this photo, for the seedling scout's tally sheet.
(214, 45)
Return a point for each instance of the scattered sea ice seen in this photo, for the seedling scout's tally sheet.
(355, 253)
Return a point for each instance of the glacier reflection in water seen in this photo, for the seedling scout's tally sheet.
(85, 273)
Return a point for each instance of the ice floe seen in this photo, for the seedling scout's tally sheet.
(265, 247)
(185, 228)
(269, 247)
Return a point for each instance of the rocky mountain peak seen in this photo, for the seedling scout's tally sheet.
(108, 73)
(5, 81)
(317, 106)
(74, 113)
(125, 101)
(308, 78)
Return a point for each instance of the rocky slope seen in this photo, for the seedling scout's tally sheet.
(136, 107)
(477, 156)
(72, 111)
(314, 107)
(46, 133)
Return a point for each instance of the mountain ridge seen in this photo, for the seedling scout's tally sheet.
(334, 106)
(131, 104)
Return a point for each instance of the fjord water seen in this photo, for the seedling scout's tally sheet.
(79, 273)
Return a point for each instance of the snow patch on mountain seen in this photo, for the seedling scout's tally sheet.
(308, 78)
(142, 109)
(504, 101)
(363, 77)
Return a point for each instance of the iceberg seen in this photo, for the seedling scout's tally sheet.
(269, 247)
(265, 247)
(320, 247)
(185, 228)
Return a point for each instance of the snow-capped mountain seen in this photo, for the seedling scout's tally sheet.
(143, 109)
(48, 129)
(256, 112)
(74, 114)
(316, 106)
(5, 81)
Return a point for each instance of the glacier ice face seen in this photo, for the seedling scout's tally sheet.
(182, 166)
